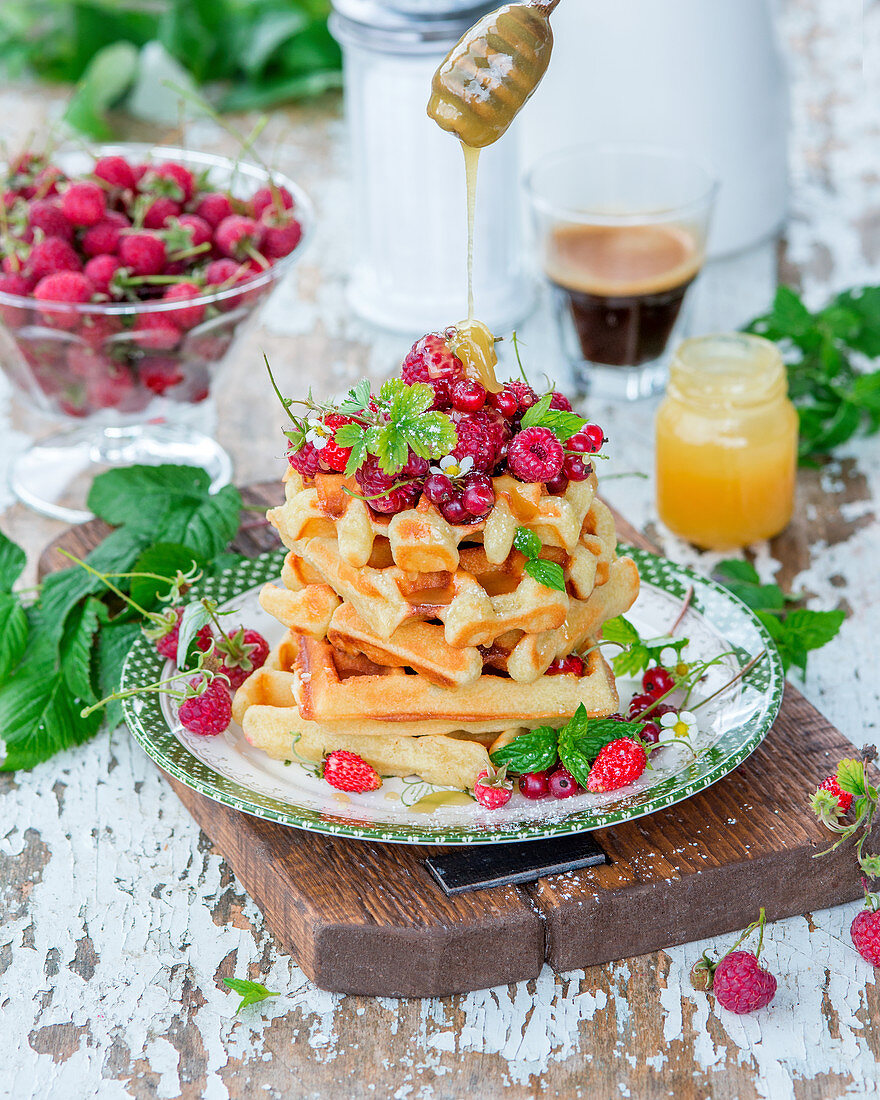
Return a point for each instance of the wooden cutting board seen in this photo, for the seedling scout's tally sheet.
(369, 919)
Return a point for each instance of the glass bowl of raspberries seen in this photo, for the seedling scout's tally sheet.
(127, 273)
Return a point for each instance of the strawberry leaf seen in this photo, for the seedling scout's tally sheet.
(251, 992)
(631, 661)
(621, 631)
(851, 776)
(358, 454)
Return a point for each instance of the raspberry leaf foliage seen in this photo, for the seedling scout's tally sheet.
(636, 653)
(563, 424)
(13, 620)
(251, 992)
(548, 573)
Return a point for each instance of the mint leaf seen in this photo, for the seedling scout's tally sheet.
(562, 423)
(621, 631)
(813, 629)
(548, 573)
(581, 741)
(164, 559)
(13, 634)
(12, 563)
(251, 992)
(534, 751)
(735, 570)
(527, 542)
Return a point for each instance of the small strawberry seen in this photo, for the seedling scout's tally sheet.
(213, 208)
(844, 798)
(187, 316)
(207, 708)
(83, 203)
(116, 171)
(142, 253)
(346, 771)
(493, 789)
(238, 237)
(865, 932)
(620, 763)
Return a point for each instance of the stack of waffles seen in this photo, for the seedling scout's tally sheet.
(423, 646)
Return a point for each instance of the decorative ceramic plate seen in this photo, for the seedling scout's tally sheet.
(409, 811)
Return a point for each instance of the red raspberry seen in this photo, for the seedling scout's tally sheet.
(100, 270)
(64, 286)
(142, 253)
(566, 666)
(97, 328)
(156, 331)
(199, 230)
(844, 798)
(243, 653)
(187, 316)
(306, 461)
(620, 763)
(741, 985)
(209, 713)
(237, 236)
(281, 235)
(535, 455)
(160, 212)
(265, 199)
(865, 932)
(50, 256)
(116, 171)
(562, 783)
(431, 360)
(84, 203)
(332, 456)
(106, 235)
(46, 214)
(159, 375)
(167, 644)
(560, 401)
(374, 482)
(492, 789)
(346, 771)
(481, 436)
(214, 208)
(180, 179)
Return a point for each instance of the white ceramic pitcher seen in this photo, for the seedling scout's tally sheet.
(704, 77)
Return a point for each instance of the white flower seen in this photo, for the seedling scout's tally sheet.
(318, 434)
(454, 467)
(676, 661)
(683, 725)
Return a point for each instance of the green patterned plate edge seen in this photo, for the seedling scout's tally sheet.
(147, 723)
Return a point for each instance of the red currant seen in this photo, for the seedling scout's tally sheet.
(571, 665)
(505, 402)
(562, 783)
(439, 489)
(650, 732)
(657, 681)
(595, 435)
(454, 511)
(575, 469)
(468, 396)
(478, 496)
(578, 442)
(558, 485)
(639, 704)
(534, 785)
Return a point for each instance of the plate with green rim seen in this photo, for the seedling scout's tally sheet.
(408, 811)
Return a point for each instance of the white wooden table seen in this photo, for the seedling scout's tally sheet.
(118, 922)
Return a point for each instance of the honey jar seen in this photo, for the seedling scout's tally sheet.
(726, 442)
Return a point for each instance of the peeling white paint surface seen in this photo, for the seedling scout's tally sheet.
(117, 921)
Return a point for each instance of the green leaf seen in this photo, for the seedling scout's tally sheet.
(583, 738)
(562, 423)
(114, 644)
(195, 616)
(631, 661)
(348, 435)
(358, 454)
(735, 570)
(77, 646)
(812, 629)
(534, 751)
(851, 776)
(164, 559)
(621, 631)
(109, 75)
(12, 563)
(251, 992)
(527, 542)
(548, 573)
(13, 634)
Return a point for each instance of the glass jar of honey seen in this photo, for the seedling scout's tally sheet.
(726, 442)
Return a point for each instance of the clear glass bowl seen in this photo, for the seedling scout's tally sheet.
(134, 377)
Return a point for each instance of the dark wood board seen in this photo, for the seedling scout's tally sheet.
(369, 919)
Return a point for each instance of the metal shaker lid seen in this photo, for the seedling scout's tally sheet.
(405, 26)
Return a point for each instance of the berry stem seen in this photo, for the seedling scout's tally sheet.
(733, 680)
(158, 686)
(285, 401)
(686, 603)
(105, 579)
(515, 341)
(185, 253)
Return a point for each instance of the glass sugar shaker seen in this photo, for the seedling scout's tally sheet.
(409, 231)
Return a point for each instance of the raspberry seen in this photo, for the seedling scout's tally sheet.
(844, 798)
(374, 482)
(187, 316)
(64, 286)
(480, 437)
(535, 455)
(100, 270)
(237, 236)
(534, 785)
(493, 789)
(214, 208)
(741, 985)
(52, 255)
(415, 467)
(180, 178)
(210, 712)
(83, 203)
(280, 235)
(243, 652)
(106, 235)
(431, 360)
(306, 461)
(265, 199)
(332, 456)
(865, 932)
(560, 401)
(346, 771)
(116, 171)
(159, 375)
(562, 783)
(199, 230)
(620, 763)
(47, 215)
(142, 253)
(167, 644)
(160, 212)
(156, 331)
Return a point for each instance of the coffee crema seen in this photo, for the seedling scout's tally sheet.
(623, 285)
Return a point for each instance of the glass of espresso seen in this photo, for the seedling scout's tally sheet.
(622, 237)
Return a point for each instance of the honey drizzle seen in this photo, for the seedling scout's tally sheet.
(471, 166)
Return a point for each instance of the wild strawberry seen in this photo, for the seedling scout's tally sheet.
(214, 208)
(432, 361)
(865, 932)
(535, 455)
(481, 436)
(223, 271)
(741, 985)
(572, 665)
(238, 237)
(159, 375)
(493, 789)
(69, 287)
(160, 212)
(562, 783)
(844, 798)
(16, 284)
(104, 237)
(83, 203)
(186, 316)
(208, 711)
(306, 460)
(116, 171)
(156, 330)
(50, 256)
(376, 485)
(199, 231)
(142, 253)
(243, 652)
(267, 198)
(109, 388)
(346, 771)
(332, 456)
(560, 401)
(281, 234)
(47, 215)
(178, 178)
(620, 763)
(100, 271)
